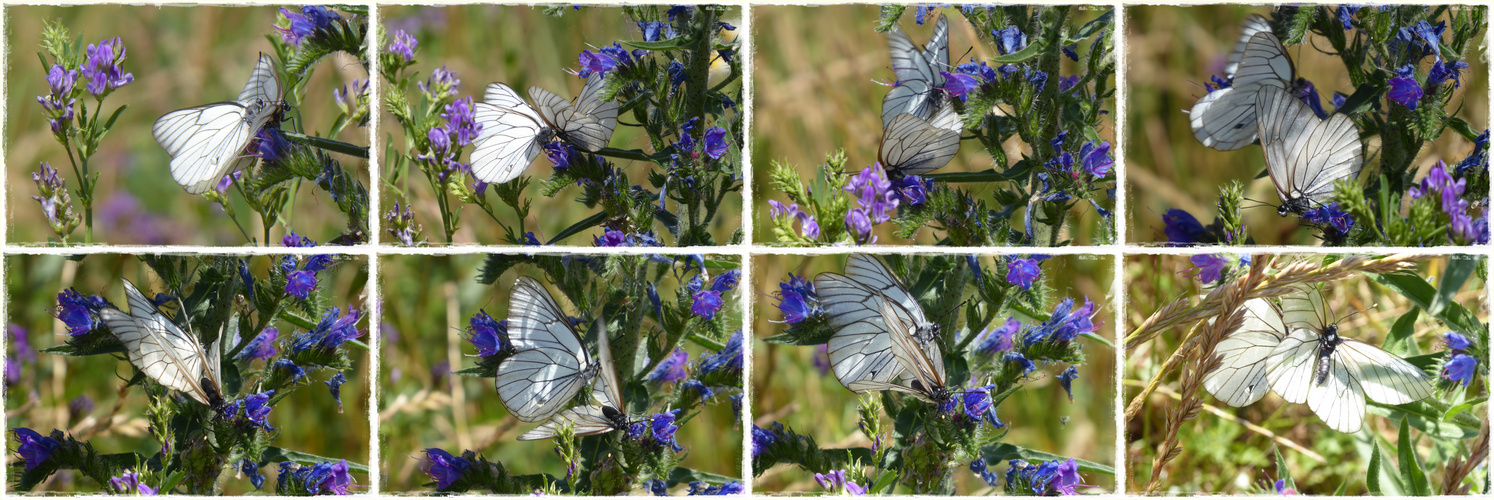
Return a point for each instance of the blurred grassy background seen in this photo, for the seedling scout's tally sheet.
(429, 301)
(1172, 52)
(789, 388)
(1219, 456)
(136, 201)
(814, 92)
(531, 49)
(307, 420)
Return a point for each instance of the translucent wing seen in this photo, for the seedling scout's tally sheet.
(1225, 119)
(1383, 377)
(504, 97)
(861, 348)
(863, 386)
(551, 364)
(870, 272)
(1241, 379)
(1304, 308)
(207, 142)
(913, 146)
(912, 97)
(609, 391)
(1254, 23)
(1306, 155)
(1293, 365)
(928, 369)
(586, 420)
(947, 118)
(1264, 62)
(162, 351)
(936, 52)
(917, 72)
(508, 144)
(587, 124)
(1339, 399)
(263, 85)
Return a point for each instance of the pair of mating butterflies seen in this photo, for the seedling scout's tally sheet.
(209, 141)
(1305, 155)
(882, 339)
(920, 126)
(1296, 351)
(551, 366)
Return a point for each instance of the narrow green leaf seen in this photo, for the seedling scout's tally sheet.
(115, 116)
(670, 44)
(1402, 328)
(1282, 471)
(1458, 271)
(578, 227)
(1411, 473)
(1003, 452)
(885, 482)
(1456, 410)
(682, 475)
(277, 454)
(1372, 476)
(1030, 52)
(334, 146)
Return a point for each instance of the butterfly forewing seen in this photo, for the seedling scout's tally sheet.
(913, 146)
(860, 349)
(1225, 119)
(162, 351)
(263, 85)
(1241, 379)
(207, 142)
(928, 368)
(507, 145)
(1254, 23)
(1385, 377)
(551, 365)
(917, 71)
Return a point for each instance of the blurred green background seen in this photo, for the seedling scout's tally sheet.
(814, 91)
(521, 46)
(181, 57)
(1172, 52)
(308, 420)
(429, 301)
(789, 388)
(1220, 456)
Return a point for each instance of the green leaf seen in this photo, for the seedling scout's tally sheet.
(1456, 410)
(632, 154)
(277, 454)
(1422, 294)
(1458, 271)
(1372, 476)
(1462, 127)
(1402, 328)
(1363, 98)
(1282, 471)
(1411, 472)
(1098, 24)
(885, 482)
(1030, 52)
(685, 475)
(578, 227)
(1003, 452)
(115, 116)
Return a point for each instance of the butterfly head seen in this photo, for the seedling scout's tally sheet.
(926, 333)
(618, 419)
(546, 134)
(1297, 205)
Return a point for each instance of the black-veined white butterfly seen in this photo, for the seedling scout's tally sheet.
(164, 352)
(1304, 154)
(1334, 374)
(1225, 119)
(513, 133)
(1242, 379)
(606, 416)
(918, 79)
(1254, 23)
(913, 146)
(926, 367)
(551, 364)
(209, 141)
(861, 349)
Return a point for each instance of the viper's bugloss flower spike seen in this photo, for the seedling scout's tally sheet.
(797, 299)
(663, 428)
(296, 372)
(998, 340)
(251, 470)
(32, 447)
(443, 467)
(1182, 228)
(1460, 369)
(1455, 341)
(671, 368)
(262, 346)
(1023, 273)
(299, 284)
(728, 358)
(257, 409)
(79, 312)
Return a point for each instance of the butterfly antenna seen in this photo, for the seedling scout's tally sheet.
(956, 307)
(1355, 313)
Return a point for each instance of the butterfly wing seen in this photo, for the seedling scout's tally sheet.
(1339, 399)
(1384, 377)
(263, 85)
(609, 391)
(861, 348)
(551, 364)
(917, 73)
(1292, 366)
(1306, 155)
(575, 124)
(1254, 23)
(913, 146)
(864, 386)
(1225, 119)
(928, 369)
(206, 142)
(1242, 378)
(508, 144)
(157, 347)
(588, 420)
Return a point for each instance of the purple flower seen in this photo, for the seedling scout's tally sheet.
(797, 299)
(1067, 380)
(715, 142)
(835, 482)
(728, 358)
(251, 469)
(1282, 489)
(20, 343)
(761, 440)
(1009, 40)
(982, 70)
(1097, 159)
(1442, 71)
(55, 203)
(1067, 478)
(957, 85)
(257, 409)
(129, 482)
(102, 67)
(299, 284)
(311, 19)
(326, 477)
(677, 74)
(1182, 228)
(1330, 216)
(296, 372)
(1000, 339)
(1346, 16)
(1455, 341)
(1208, 268)
(404, 45)
(1067, 82)
(487, 334)
(707, 302)
(330, 332)
(1404, 90)
(1016, 357)
(1022, 272)
(334, 385)
(654, 31)
(560, 154)
(59, 103)
(913, 189)
(270, 145)
(595, 63)
(726, 488)
(663, 428)
(876, 198)
(1064, 324)
(262, 346)
(32, 447)
(727, 281)
(1460, 369)
(612, 238)
(461, 121)
(79, 312)
(444, 467)
(441, 84)
(402, 224)
(671, 368)
(1037, 78)
(293, 240)
(705, 391)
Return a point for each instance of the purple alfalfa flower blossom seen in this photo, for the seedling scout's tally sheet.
(1009, 40)
(957, 85)
(488, 335)
(299, 284)
(55, 202)
(262, 346)
(1182, 228)
(227, 181)
(595, 63)
(808, 227)
(1460, 369)
(1066, 379)
(442, 84)
(761, 440)
(103, 67)
(874, 194)
(715, 142)
(1096, 158)
(999, 339)
(334, 385)
(79, 312)
(461, 121)
(981, 70)
(251, 470)
(443, 467)
(706, 304)
(32, 447)
(12, 371)
(1456, 341)
(835, 482)
(663, 428)
(671, 368)
(728, 358)
(129, 483)
(1208, 268)
(1403, 88)
(59, 103)
(1023, 272)
(295, 371)
(797, 299)
(257, 409)
(402, 224)
(403, 45)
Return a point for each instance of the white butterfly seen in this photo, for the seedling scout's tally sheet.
(1333, 374)
(513, 133)
(551, 364)
(918, 79)
(1254, 23)
(607, 416)
(1304, 154)
(209, 141)
(912, 146)
(164, 352)
(1241, 379)
(863, 345)
(927, 367)
(1225, 118)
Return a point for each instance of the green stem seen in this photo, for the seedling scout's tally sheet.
(329, 145)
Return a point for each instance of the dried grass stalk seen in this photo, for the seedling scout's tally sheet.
(1459, 468)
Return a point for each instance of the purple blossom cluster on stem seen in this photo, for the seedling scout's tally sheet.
(876, 201)
(103, 67)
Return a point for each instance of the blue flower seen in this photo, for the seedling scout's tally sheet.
(1071, 51)
(1000, 339)
(1017, 357)
(957, 85)
(1067, 380)
(656, 487)
(487, 334)
(1345, 16)
(654, 31)
(797, 299)
(1009, 40)
(296, 372)
(32, 447)
(705, 392)
(444, 467)
(404, 45)
(103, 67)
(761, 440)
(293, 240)
(677, 73)
(1097, 159)
(704, 488)
(1067, 82)
(1460, 369)
(1022, 272)
(678, 10)
(334, 385)
(560, 154)
(129, 483)
(715, 142)
(978, 406)
(671, 368)
(1404, 91)
(981, 70)
(1208, 268)
(79, 312)
(1068, 323)
(836, 482)
(247, 279)
(663, 428)
(1182, 228)
(727, 281)
(595, 63)
(330, 332)
(299, 284)
(1330, 216)
(706, 304)
(1037, 78)
(257, 409)
(1339, 99)
(1455, 341)
(1442, 71)
(304, 24)
(251, 469)
(729, 357)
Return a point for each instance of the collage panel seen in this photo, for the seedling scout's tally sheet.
(578, 374)
(118, 135)
(1372, 124)
(975, 374)
(1007, 141)
(1328, 375)
(189, 375)
(637, 111)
